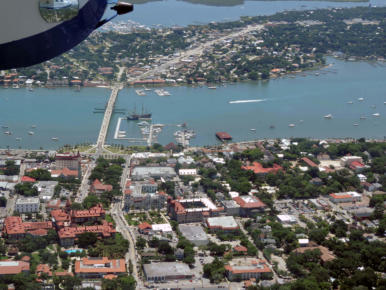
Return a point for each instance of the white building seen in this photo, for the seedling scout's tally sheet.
(286, 219)
(350, 196)
(188, 171)
(27, 204)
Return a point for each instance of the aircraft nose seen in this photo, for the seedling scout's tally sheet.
(123, 8)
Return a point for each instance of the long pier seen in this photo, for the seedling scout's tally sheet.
(106, 119)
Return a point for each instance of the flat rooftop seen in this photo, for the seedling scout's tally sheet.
(166, 269)
(222, 222)
(192, 232)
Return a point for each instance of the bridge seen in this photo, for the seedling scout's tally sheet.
(106, 119)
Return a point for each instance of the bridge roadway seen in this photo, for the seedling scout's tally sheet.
(106, 119)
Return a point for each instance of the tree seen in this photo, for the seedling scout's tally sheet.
(39, 174)
(141, 243)
(90, 201)
(87, 239)
(11, 168)
(26, 189)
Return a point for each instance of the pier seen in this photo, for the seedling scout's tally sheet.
(106, 119)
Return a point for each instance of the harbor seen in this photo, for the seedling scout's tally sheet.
(301, 101)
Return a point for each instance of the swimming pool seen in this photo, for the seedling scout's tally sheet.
(72, 251)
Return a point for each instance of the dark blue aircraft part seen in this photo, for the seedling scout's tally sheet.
(46, 45)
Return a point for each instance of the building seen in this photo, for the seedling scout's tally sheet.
(347, 160)
(194, 234)
(143, 195)
(222, 223)
(286, 219)
(98, 187)
(27, 204)
(158, 272)
(189, 171)
(68, 160)
(66, 217)
(141, 172)
(69, 235)
(8, 267)
(247, 268)
(46, 189)
(341, 197)
(257, 168)
(14, 228)
(362, 213)
(231, 207)
(249, 205)
(192, 210)
(357, 166)
(99, 267)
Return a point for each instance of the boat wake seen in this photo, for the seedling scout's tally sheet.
(247, 101)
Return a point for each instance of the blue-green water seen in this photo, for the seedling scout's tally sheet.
(175, 12)
(69, 115)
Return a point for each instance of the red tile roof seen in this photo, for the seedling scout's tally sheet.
(340, 196)
(27, 179)
(309, 162)
(93, 265)
(257, 168)
(65, 172)
(97, 185)
(255, 204)
(13, 267)
(14, 225)
(144, 226)
(106, 230)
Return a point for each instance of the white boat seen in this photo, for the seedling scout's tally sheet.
(54, 138)
(384, 103)
(350, 102)
(376, 114)
(8, 133)
(18, 139)
(355, 124)
(253, 130)
(146, 89)
(15, 86)
(33, 126)
(329, 116)
(291, 125)
(246, 101)
(363, 117)
(361, 99)
(140, 92)
(31, 133)
(212, 88)
(143, 123)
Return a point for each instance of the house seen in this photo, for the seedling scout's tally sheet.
(14, 228)
(27, 179)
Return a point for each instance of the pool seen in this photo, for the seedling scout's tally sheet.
(72, 251)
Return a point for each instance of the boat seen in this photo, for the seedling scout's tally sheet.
(384, 103)
(291, 125)
(31, 89)
(212, 88)
(54, 138)
(33, 126)
(361, 99)
(376, 114)
(329, 116)
(253, 130)
(4, 127)
(18, 139)
(134, 116)
(140, 92)
(146, 89)
(246, 101)
(15, 86)
(31, 133)
(355, 124)
(162, 92)
(143, 123)
(363, 118)
(8, 133)
(350, 102)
